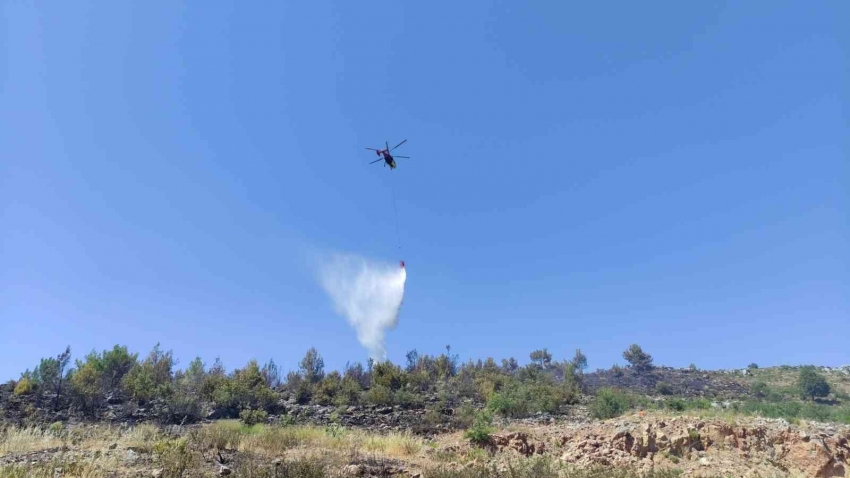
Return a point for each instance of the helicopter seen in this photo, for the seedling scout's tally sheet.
(388, 158)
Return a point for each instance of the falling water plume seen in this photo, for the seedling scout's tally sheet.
(368, 294)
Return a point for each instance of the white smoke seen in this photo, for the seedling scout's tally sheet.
(368, 294)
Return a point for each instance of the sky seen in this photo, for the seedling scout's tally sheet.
(582, 175)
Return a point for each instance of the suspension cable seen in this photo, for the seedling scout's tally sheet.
(395, 211)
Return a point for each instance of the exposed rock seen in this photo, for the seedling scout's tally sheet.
(770, 444)
(131, 456)
(354, 470)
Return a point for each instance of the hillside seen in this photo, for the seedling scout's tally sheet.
(433, 415)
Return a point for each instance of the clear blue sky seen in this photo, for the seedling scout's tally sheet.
(583, 175)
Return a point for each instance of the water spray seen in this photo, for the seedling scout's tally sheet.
(368, 294)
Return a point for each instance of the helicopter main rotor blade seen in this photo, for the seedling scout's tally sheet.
(373, 149)
(405, 157)
(399, 144)
(375, 161)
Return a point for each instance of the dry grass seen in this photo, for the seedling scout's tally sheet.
(24, 440)
(277, 440)
(48, 470)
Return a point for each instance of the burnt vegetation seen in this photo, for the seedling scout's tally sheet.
(434, 391)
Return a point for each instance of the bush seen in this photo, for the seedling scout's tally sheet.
(51, 374)
(114, 365)
(760, 389)
(481, 428)
(408, 399)
(379, 395)
(676, 404)
(24, 387)
(464, 416)
(519, 398)
(610, 403)
(511, 402)
(151, 378)
(812, 384)
(637, 358)
(617, 371)
(57, 429)
(752, 366)
(253, 417)
(328, 389)
(663, 388)
(389, 375)
(174, 457)
(86, 385)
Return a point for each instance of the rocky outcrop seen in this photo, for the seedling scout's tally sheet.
(771, 445)
(518, 442)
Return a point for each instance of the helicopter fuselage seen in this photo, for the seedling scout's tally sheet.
(388, 158)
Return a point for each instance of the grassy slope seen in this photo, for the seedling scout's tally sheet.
(784, 379)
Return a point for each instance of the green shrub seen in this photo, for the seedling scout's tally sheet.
(303, 392)
(693, 436)
(753, 366)
(464, 416)
(408, 399)
(174, 457)
(101, 375)
(760, 389)
(286, 421)
(389, 375)
(812, 384)
(151, 378)
(57, 429)
(509, 403)
(24, 387)
(663, 388)
(86, 384)
(519, 398)
(328, 389)
(349, 392)
(481, 428)
(379, 395)
(245, 388)
(676, 404)
(253, 417)
(610, 403)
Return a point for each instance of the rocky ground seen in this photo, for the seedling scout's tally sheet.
(697, 446)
